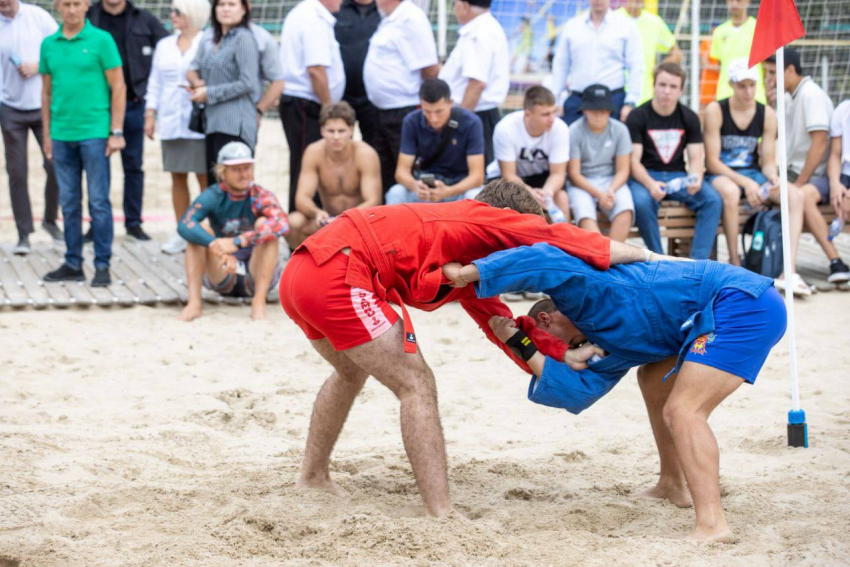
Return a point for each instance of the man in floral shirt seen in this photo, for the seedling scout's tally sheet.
(238, 255)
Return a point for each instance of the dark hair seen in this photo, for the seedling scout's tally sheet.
(434, 90)
(504, 194)
(542, 306)
(538, 96)
(341, 110)
(672, 69)
(216, 25)
(792, 59)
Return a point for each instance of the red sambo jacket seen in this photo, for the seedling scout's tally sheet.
(398, 253)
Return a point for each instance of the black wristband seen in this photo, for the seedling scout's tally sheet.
(522, 346)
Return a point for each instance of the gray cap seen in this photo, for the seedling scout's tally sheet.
(235, 153)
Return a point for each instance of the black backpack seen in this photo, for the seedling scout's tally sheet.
(765, 253)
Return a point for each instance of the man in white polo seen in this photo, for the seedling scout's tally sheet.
(22, 29)
(478, 69)
(598, 46)
(313, 77)
(401, 54)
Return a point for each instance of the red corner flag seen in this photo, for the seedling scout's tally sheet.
(777, 25)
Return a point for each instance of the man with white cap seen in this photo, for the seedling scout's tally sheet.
(740, 155)
(238, 255)
(478, 69)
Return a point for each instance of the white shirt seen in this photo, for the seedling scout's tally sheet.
(810, 111)
(840, 128)
(307, 40)
(165, 92)
(22, 36)
(586, 55)
(481, 53)
(533, 155)
(402, 46)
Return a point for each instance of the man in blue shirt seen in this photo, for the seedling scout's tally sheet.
(442, 151)
(710, 324)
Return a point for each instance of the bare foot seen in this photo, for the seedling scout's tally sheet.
(722, 535)
(325, 485)
(258, 312)
(678, 496)
(190, 313)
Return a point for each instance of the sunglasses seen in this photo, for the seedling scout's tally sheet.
(176, 11)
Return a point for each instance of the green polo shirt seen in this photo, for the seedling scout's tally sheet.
(79, 108)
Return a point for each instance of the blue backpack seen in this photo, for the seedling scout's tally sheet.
(765, 253)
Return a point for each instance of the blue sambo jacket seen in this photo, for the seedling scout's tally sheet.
(639, 313)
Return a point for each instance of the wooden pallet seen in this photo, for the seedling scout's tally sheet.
(141, 275)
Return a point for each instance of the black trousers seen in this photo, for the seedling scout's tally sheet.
(367, 118)
(489, 119)
(16, 125)
(388, 141)
(300, 119)
(214, 142)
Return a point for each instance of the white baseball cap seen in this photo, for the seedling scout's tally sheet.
(235, 153)
(740, 70)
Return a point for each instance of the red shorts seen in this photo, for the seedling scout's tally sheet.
(324, 306)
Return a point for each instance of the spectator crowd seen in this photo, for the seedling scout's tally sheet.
(619, 145)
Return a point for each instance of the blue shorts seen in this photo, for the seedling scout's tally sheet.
(754, 174)
(745, 329)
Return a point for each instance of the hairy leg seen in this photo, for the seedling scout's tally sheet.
(621, 225)
(697, 391)
(730, 193)
(671, 482)
(329, 414)
(261, 267)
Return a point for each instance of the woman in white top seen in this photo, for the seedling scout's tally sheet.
(168, 102)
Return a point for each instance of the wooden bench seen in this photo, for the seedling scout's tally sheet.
(677, 224)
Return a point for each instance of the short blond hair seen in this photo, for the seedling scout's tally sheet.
(197, 12)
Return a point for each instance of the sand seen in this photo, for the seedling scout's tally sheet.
(129, 438)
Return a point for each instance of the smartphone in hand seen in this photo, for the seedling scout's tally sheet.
(428, 179)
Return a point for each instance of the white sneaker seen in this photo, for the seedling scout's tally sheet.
(175, 244)
(800, 289)
(511, 297)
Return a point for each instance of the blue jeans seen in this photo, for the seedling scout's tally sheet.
(705, 202)
(573, 102)
(70, 160)
(754, 174)
(131, 160)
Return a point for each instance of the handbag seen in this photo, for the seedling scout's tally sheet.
(198, 118)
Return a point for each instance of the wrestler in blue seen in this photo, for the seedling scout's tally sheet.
(696, 329)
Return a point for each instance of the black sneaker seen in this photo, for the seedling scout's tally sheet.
(838, 272)
(65, 273)
(136, 233)
(23, 246)
(88, 237)
(101, 278)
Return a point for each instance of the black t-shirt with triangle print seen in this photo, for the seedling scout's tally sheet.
(664, 138)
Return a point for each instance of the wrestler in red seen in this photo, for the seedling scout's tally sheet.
(338, 286)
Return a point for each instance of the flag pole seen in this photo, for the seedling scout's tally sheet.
(797, 428)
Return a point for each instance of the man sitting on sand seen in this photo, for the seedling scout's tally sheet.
(345, 173)
(238, 255)
(707, 326)
(339, 284)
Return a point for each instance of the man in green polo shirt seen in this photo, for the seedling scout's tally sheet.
(83, 101)
(655, 38)
(731, 41)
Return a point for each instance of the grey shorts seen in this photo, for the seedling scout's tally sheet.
(821, 183)
(584, 206)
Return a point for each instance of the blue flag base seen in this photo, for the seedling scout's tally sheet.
(798, 431)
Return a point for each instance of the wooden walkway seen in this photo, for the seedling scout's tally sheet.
(141, 274)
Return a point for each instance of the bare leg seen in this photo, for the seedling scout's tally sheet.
(300, 227)
(697, 391)
(410, 379)
(199, 261)
(671, 483)
(202, 180)
(562, 200)
(589, 225)
(796, 202)
(329, 414)
(180, 194)
(730, 193)
(261, 267)
(815, 221)
(621, 225)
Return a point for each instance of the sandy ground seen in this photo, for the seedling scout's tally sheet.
(128, 438)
